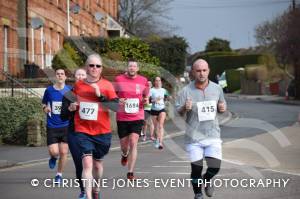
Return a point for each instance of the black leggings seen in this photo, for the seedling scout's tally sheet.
(76, 155)
(213, 167)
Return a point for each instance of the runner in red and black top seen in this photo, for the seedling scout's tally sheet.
(133, 93)
(92, 122)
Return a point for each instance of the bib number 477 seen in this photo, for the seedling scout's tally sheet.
(88, 111)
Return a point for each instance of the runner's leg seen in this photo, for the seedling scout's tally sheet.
(124, 142)
(63, 155)
(160, 126)
(87, 174)
(132, 156)
(53, 150)
(155, 131)
(97, 173)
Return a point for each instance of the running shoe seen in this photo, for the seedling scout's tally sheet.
(82, 195)
(52, 162)
(96, 195)
(156, 144)
(198, 196)
(160, 147)
(144, 138)
(152, 138)
(130, 176)
(209, 190)
(58, 179)
(124, 160)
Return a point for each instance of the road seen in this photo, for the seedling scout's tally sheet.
(171, 164)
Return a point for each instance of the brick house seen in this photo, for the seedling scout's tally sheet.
(32, 31)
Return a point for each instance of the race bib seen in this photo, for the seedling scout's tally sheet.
(88, 111)
(207, 110)
(56, 107)
(132, 105)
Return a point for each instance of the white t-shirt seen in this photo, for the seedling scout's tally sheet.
(157, 96)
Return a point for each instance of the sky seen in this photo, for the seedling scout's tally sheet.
(234, 20)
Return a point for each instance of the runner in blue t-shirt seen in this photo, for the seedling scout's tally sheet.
(57, 129)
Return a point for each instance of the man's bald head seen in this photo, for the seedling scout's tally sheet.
(200, 71)
(200, 62)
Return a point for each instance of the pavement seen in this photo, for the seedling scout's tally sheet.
(266, 98)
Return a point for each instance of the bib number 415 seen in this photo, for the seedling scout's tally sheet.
(207, 110)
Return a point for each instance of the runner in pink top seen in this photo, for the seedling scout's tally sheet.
(133, 91)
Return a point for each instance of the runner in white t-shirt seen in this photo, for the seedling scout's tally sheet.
(158, 95)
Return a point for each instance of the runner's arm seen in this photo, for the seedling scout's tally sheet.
(65, 113)
(180, 103)
(112, 104)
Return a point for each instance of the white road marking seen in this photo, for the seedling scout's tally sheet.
(233, 162)
(282, 172)
(179, 161)
(170, 166)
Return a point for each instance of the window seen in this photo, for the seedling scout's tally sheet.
(32, 45)
(58, 40)
(5, 47)
(87, 5)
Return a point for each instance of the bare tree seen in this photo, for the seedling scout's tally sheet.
(288, 47)
(145, 17)
(281, 36)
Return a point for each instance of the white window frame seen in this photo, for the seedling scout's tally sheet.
(5, 47)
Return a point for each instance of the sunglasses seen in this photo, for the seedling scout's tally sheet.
(95, 65)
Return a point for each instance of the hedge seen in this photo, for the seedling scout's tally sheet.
(233, 79)
(219, 62)
(14, 114)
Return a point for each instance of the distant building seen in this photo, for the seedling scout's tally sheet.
(32, 31)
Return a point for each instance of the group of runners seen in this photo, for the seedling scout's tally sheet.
(78, 120)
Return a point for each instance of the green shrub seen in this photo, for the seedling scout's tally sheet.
(233, 79)
(132, 48)
(217, 44)
(67, 58)
(171, 52)
(14, 114)
(114, 56)
(148, 70)
(115, 48)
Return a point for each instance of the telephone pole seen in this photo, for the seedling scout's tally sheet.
(293, 4)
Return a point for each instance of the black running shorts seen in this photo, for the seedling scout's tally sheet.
(125, 128)
(57, 135)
